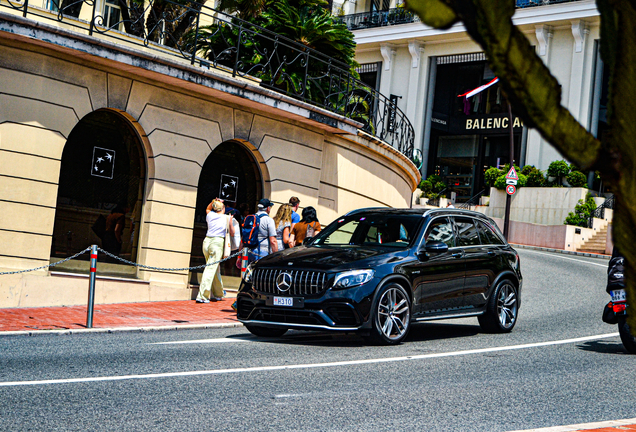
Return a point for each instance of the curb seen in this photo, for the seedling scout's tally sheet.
(586, 426)
(544, 249)
(120, 329)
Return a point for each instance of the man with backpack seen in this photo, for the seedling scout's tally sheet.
(260, 228)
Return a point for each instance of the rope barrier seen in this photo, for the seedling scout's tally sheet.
(243, 252)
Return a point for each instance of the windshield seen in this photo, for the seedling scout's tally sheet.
(375, 229)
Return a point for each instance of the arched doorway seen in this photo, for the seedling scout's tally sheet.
(102, 176)
(229, 161)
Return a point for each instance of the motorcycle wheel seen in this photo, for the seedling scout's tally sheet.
(629, 341)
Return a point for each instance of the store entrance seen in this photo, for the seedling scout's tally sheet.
(229, 162)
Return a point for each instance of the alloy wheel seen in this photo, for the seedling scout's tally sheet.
(394, 313)
(507, 306)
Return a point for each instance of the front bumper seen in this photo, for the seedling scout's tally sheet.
(339, 310)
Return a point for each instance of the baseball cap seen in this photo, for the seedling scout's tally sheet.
(265, 203)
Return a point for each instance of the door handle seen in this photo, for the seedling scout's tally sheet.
(457, 254)
(491, 253)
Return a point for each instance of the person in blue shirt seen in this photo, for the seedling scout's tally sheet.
(295, 203)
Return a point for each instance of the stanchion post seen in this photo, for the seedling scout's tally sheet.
(91, 287)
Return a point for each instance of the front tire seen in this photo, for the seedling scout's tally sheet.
(629, 341)
(501, 310)
(265, 331)
(391, 315)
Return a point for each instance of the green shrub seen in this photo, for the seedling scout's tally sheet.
(558, 170)
(536, 178)
(426, 186)
(491, 175)
(434, 178)
(527, 170)
(576, 179)
(439, 186)
(500, 183)
(582, 212)
(523, 181)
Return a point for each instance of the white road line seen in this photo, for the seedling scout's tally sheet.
(306, 366)
(205, 341)
(566, 258)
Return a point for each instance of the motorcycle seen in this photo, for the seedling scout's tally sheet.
(616, 313)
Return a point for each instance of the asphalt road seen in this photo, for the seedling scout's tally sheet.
(448, 376)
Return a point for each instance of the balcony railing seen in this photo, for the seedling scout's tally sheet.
(208, 38)
(402, 16)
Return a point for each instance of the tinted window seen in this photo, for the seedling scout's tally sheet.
(370, 229)
(440, 230)
(467, 234)
(487, 234)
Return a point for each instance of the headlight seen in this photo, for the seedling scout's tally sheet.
(247, 276)
(352, 278)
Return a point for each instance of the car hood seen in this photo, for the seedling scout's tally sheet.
(330, 258)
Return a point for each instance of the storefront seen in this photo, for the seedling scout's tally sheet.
(469, 135)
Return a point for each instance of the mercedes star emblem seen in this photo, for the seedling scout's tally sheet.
(283, 282)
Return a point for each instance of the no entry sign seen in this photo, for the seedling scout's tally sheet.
(511, 189)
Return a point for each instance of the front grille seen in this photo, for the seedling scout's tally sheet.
(303, 283)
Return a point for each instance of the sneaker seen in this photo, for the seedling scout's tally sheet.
(218, 298)
(203, 301)
(234, 307)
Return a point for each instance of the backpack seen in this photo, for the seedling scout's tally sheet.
(250, 230)
(311, 231)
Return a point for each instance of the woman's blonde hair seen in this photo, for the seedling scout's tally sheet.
(217, 205)
(283, 214)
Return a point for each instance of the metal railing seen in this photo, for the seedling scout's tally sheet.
(599, 212)
(211, 39)
(471, 202)
(400, 15)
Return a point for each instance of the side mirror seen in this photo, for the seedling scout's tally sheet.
(436, 247)
(431, 247)
(307, 241)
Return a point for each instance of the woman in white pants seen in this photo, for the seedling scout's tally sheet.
(211, 287)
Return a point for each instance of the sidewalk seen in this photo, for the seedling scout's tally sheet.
(118, 317)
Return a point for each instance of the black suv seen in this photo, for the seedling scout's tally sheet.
(378, 270)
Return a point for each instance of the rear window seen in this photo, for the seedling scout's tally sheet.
(487, 234)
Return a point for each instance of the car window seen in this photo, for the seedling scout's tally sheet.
(467, 234)
(487, 234)
(440, 229)
(371, 230)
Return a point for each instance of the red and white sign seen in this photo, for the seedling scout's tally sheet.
(511, 189)
(512, 174)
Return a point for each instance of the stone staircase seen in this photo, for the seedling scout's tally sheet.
(596, 244)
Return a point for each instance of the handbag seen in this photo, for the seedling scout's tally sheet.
(236, 239)
(227, 244)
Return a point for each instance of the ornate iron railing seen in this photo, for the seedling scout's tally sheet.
(599, 212)
(395, 16)
(209, 38)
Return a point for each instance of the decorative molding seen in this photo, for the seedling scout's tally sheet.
(387, 51)
(415, 48)
(579, 31)
(544, 34)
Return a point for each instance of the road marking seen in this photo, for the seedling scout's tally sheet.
(562, 257)
(306, 365)
(206, 341)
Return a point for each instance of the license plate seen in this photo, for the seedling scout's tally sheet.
(283, 301)
(618, 295)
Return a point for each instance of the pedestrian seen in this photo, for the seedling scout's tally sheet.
(283, 220)
(294, 202)
(267, 243)
(211, 287)
(450, 205)
(307, 227)
(114, 228)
